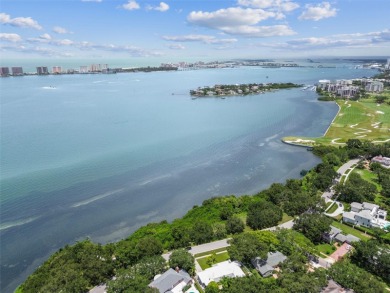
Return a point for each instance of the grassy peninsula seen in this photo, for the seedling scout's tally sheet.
(365, 119)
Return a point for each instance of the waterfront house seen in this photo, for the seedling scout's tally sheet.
(172, 281)
(266, 266)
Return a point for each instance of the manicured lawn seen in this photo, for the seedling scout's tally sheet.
(363, 119)
(332, 209)
(220, 257)
(325, 248)
(210, 252)
(349, 230)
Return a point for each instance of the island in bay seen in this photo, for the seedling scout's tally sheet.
(223, 90)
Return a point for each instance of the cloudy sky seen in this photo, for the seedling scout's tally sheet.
(179, 29)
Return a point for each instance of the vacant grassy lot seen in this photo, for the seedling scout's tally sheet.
(362, 120)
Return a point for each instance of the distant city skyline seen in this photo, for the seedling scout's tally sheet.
(181, 29)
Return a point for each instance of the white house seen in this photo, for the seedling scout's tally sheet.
(230, 269)
(365, 214)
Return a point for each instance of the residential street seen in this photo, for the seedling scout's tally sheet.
(327, 195)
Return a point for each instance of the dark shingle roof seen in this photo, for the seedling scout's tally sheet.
(169, 280)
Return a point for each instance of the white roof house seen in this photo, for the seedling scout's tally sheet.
(349, 217)
(231, 269)
(356, 207)
(366, 214)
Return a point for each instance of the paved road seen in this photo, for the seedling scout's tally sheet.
(327, 195)
(347, 165)
(209, 246)
(286, 225)
(223, 243)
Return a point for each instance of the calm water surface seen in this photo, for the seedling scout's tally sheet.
(100, 155)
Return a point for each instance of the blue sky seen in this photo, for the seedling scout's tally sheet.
(182, 29)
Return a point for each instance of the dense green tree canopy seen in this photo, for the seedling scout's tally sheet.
(374, 257)
(313, 226)
(263, 214)
(356, 189)
(183, 259)
(246, 246)
(352, 277)
(234, 225)
(72, 269)
(202, 232)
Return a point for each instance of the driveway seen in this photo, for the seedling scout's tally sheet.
(338, 211)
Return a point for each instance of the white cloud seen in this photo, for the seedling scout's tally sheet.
(60, 30)
(24, 22)
(240, 21)
(45, 37)
(355, 40)
(233, 16)
(64, 42)
(131, 50)
(10, 37)
(199, 38)
(177, 47)
(383, 36)
(283, 5)
(260, 31)
(162, 7)
(37, 50)
(318, 12)
(131, 5)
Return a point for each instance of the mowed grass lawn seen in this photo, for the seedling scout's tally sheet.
(220, 257)
(362, 120)
(325, 248)
(349, 230)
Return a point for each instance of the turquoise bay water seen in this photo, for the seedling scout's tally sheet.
(99, 155)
